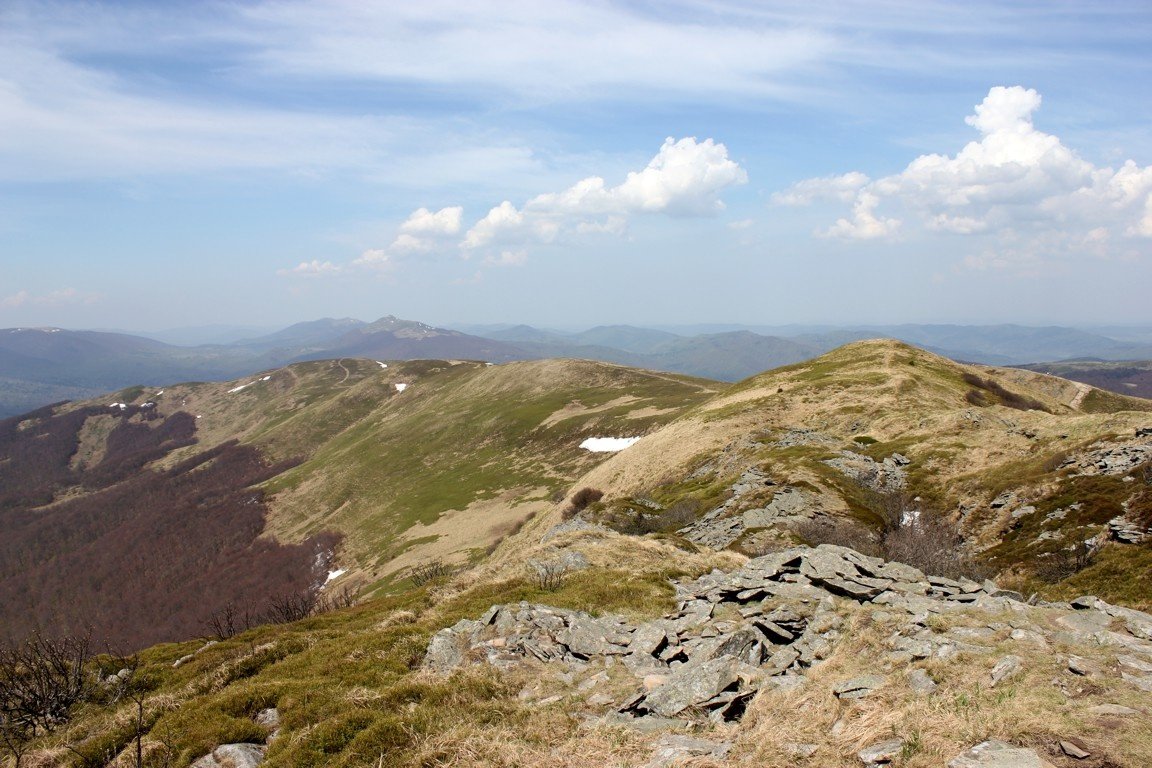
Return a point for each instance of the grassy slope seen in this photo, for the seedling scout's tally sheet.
(345, 684)
(898, 398)
(383, 466)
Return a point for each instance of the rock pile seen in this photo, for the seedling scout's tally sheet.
(1113, 460)
(1125, 531)
(732, 635)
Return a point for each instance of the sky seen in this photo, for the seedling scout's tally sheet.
(572, 164)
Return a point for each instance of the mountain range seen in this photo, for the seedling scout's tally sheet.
(44, 365)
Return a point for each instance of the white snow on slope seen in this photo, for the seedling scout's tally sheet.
(333, 575)
(608, 444)
(241, 388)
(401, 387)
(382, 365)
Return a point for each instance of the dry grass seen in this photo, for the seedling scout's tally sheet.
(964, 710)
(552, 739)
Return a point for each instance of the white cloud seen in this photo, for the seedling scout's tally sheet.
(422, 221)
(314, 268)
(62, 297)
(685, 178)
(1015, 183)
(509, 258)
(842, 188)
(500, 222)
(864, 224)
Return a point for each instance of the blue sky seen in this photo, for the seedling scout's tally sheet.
(574, 164)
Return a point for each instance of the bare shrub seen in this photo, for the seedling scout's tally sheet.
(41, 680)
(977, 398)
(347, 597)
(842, 533)
(291, 606)
(1066, 562)
(580, 501)
(935, 546)
(1006, 396)
(230, 621)
(683, 513)
(549, 576)
(429, 572)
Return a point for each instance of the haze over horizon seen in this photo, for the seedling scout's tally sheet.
(574, 164)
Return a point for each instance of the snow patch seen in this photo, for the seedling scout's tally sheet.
(121, 406)
(241, 388)
(158, 393)
(333, 575)
(382, 365)
(265, 378)
(608, 444)
(401, 387)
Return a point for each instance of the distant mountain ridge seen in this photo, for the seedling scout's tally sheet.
(43, 365)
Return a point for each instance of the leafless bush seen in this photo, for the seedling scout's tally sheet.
(428, 572)
(345, 598)
(292, 606)
(842, 533)
(41, 680)
(549, 576)
(935, 546)
(684, 512)
(977, 398)
(1006, 396)
(1066, 561)
(580, 501)
(230, 621)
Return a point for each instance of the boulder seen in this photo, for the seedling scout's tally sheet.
(690, 686)
(1006, 667)
(232, 756)
(444, 652)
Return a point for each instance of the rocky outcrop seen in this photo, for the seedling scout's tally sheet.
(886, 476)
(734, 633)
(728, 522)
(1125, 531)
(1112, 459)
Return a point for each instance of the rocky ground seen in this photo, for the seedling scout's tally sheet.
(762, 629)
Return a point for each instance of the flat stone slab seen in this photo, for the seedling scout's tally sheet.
(997, 754)
(857, 687)
(881, 753)
(689, 686)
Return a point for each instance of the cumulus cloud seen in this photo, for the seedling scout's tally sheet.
(423, 222)
(864, 224)
(1014, 182)
(685, 178)
(314, 268)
